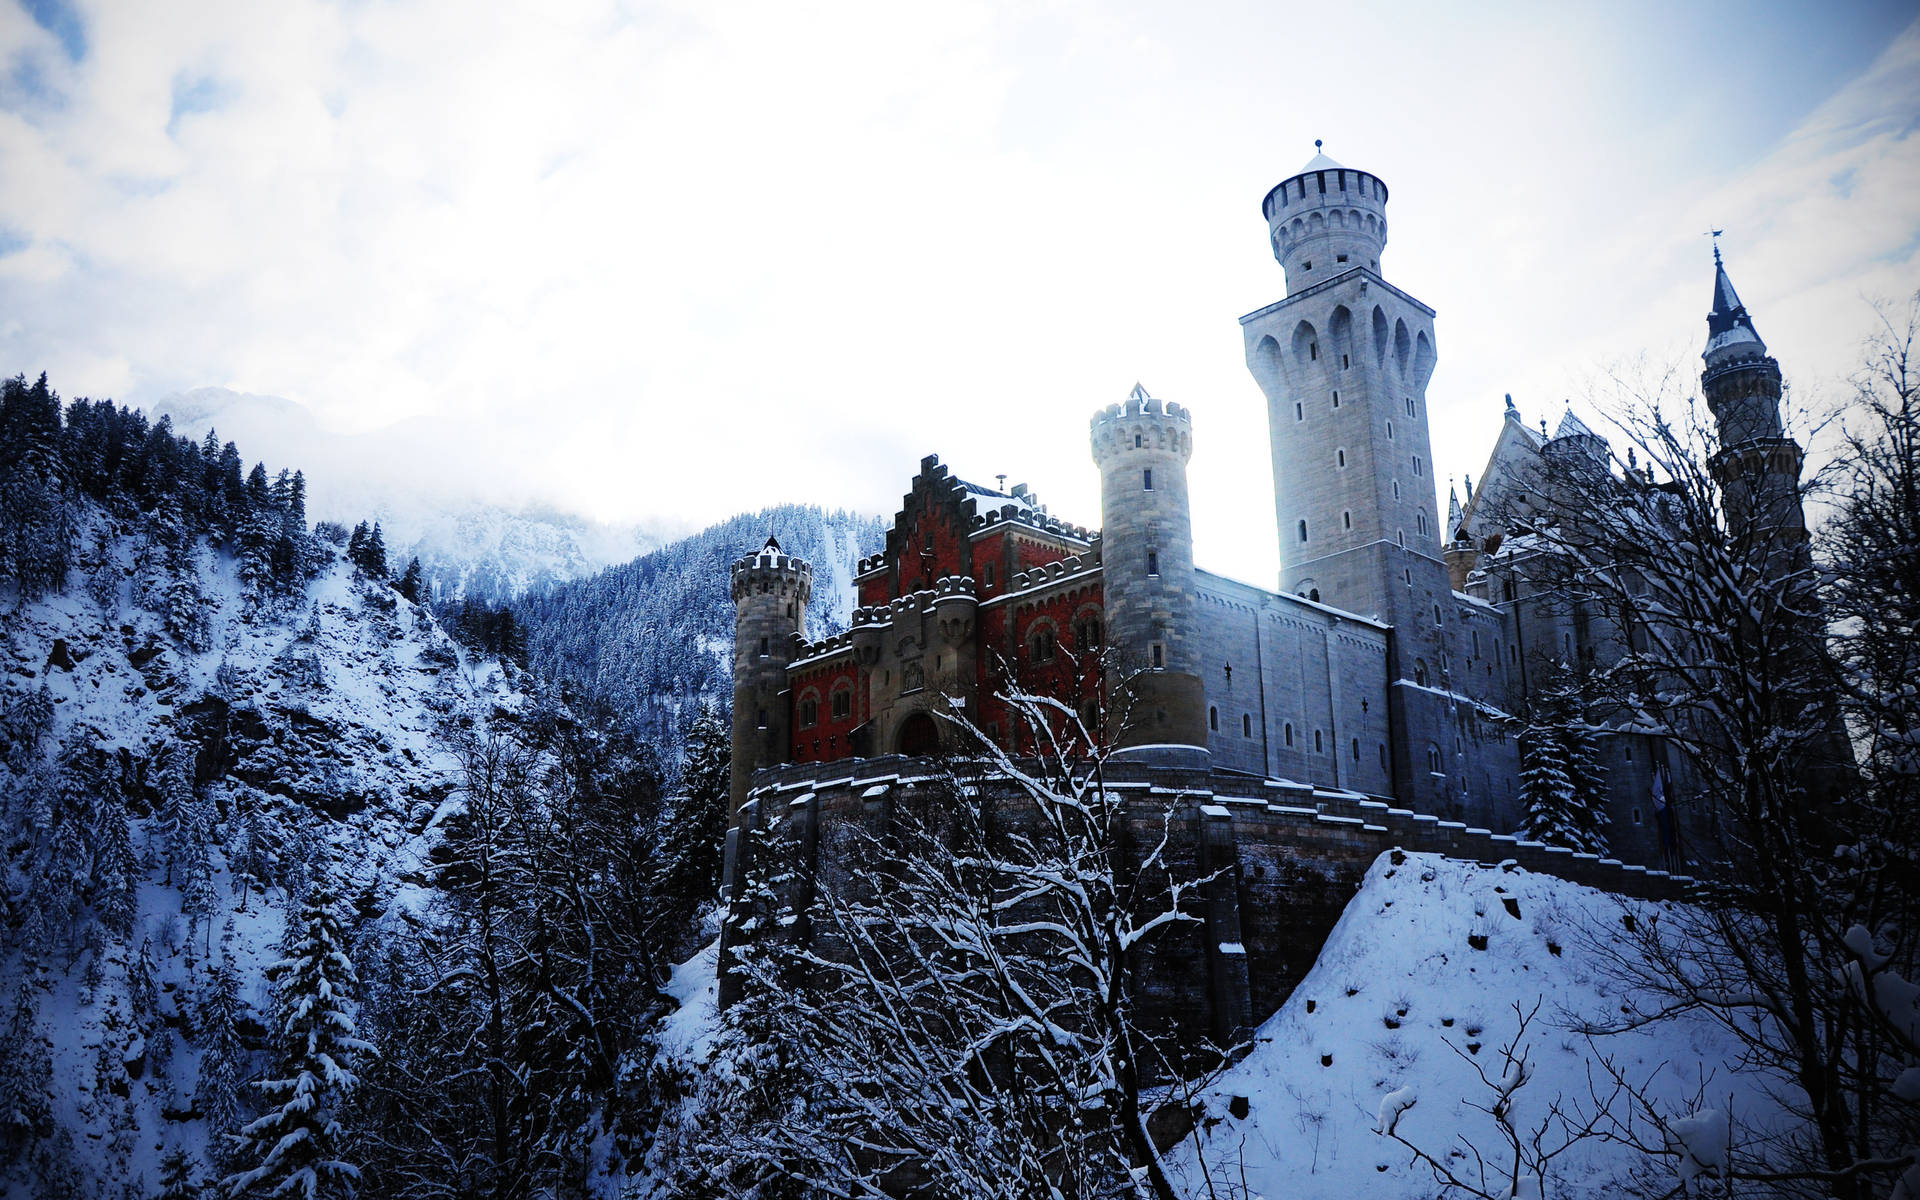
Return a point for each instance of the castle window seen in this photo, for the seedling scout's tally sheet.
(1289, 733)
(1402, 535)
(1396, 489)
(1146, 480)
(765, 648)
(1344, 362)
(1436, 614)
(1318, 746)
(1158, 656)
(1136, 441)
(1340, 258)
(1044, 645)
(1299, 411)
(1389, 430)
(1314, 595)
(1213, 719)
(1313, 348)
(1308, 265)
(1346, 520)
(1336, 399)
(1408, 573)
(842, 703)
(1086, 633)
(1417, 468)
(809, 713)
(761, 718)
(1356, 749)
(989, 574)
(1153, 562)
(1433, 759)
(1410, 411)
(1246, 724)
(1420, 671)
(1420, 519)
(1303, 531)
(1340, 458)
(1636, 814)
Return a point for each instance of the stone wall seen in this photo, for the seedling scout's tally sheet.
(1286, 859)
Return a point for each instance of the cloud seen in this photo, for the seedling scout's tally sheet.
(679, 259)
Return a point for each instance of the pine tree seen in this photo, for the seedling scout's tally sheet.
(1562, 783)
(694, 829)
(176, 1177)
(410, 583)
(223, 1056)
(376, 550)
(292, 1149)
(116, 869)
(26, 1074)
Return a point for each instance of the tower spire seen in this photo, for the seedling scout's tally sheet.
(1730, 331)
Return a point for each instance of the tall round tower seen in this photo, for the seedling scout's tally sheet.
(1142, 448)
(770, 592)
(1326, 220)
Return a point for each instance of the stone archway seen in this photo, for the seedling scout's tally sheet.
(918, 736)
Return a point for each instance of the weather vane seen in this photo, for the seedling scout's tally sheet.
(1715, 235)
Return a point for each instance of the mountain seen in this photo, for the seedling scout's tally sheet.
(654, 637)
(424, 494)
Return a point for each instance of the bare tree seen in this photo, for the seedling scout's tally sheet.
(954, 1010)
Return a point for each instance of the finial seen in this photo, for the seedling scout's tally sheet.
(1715, 235)
(1316, 145)
(1543, 427)
(1510, 407)
(1002, 480)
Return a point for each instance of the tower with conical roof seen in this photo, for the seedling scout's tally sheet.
(1344, 361)
(1758, 465)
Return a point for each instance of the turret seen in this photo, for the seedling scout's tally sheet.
(1142, 448)
(1325, 220)
(770, 593)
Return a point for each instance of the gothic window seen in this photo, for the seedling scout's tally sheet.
(1246, 724)
(809, 713)
(842, 703)
(1420, 520)
(1417, 468)
(1289, 733)
(1213, 719)
(1318, 746)
(1044, 645)
(1410, 411)
(1433, 758)
(1086, 632)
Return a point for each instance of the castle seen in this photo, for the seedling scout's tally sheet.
(1388, 664)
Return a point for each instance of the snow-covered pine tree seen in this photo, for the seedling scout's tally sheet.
(223, 1056)
(292, 1149)
(176, 1177)
(410, 584)
(1562, 782)
(116, 869)
(26, 1075)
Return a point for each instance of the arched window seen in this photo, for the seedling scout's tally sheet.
(1313, 594)
(1303, 531)
(1246, 724)
(1289, 733)
(1433, 758)
(1042, 646)
(842, 701)
(1319, 747)
(1420, 522)
(1213, 719)
(1420, 671)
(809, 712)
(1340, 458)
(1086, 632)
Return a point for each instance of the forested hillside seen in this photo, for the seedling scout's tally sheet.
(655, 637)
(266, 828)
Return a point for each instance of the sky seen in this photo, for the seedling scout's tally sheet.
(670, 261)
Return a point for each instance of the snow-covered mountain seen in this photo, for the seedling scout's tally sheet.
(287, 738)
(470, 542)
(655, 636)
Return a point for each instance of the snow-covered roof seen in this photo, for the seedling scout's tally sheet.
(1572, 426)
(1319, 162)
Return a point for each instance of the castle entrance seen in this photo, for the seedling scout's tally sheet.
(918, 736)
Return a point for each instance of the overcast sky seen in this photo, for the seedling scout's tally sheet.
(680, 259)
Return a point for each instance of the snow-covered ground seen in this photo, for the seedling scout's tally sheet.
(1400, 998)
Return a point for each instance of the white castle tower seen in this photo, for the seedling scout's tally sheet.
(1344, 362)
